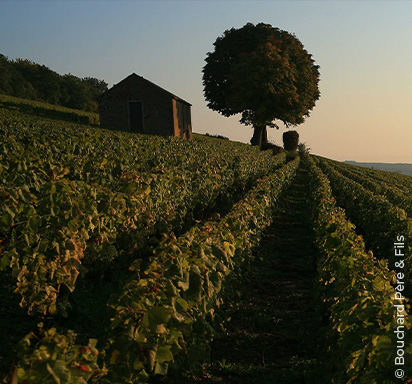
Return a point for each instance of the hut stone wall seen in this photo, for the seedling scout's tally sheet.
(136, 104)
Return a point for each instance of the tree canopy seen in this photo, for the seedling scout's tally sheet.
(263, 73)
(26, 79)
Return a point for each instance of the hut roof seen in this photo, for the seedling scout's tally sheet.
(134, 76)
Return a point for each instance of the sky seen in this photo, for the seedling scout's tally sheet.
(363, 48)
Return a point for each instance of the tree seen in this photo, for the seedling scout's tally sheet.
(25, 78)
(263, 73)
(97, 86)
(12, 82)
(75, 92)
(94, 88)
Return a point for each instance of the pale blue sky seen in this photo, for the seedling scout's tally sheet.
(364, 49)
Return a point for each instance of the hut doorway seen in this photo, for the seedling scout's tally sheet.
(136, 116)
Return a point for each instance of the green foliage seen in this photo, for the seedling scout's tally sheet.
(165, 311)
(217, 136)
(291, 155)
(290, 140)
(80, 202)
(357, 289)
(49, 357)
(70, 195)
(262, 72)
(26, 79)
(395, 189)
(49, 111)
(302, 148)
(176, 220)
(380, 220)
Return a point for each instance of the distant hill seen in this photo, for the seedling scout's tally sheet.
(404, 168)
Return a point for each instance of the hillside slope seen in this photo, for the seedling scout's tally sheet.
(123, 256)
(82, 205)
(403, 168)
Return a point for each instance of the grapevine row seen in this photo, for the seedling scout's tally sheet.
(398, 180)
(391, 192)
(401, 181)
(72, 196)
(357, 290)
(162, 315)
(379, 220)
(46, 149)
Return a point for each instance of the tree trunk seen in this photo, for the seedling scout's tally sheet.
(264, 137)
(260, 136)
(257, 136)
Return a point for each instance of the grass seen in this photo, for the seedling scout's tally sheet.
(50, 111)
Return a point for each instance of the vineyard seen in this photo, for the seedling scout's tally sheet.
(121, 253)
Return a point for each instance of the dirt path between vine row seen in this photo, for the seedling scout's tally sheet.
(275, 334)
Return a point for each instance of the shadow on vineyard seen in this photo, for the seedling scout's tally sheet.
(274, 333)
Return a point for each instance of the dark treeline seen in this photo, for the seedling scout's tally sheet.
(26, 79)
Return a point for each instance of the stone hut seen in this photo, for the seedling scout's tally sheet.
(137, 105)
